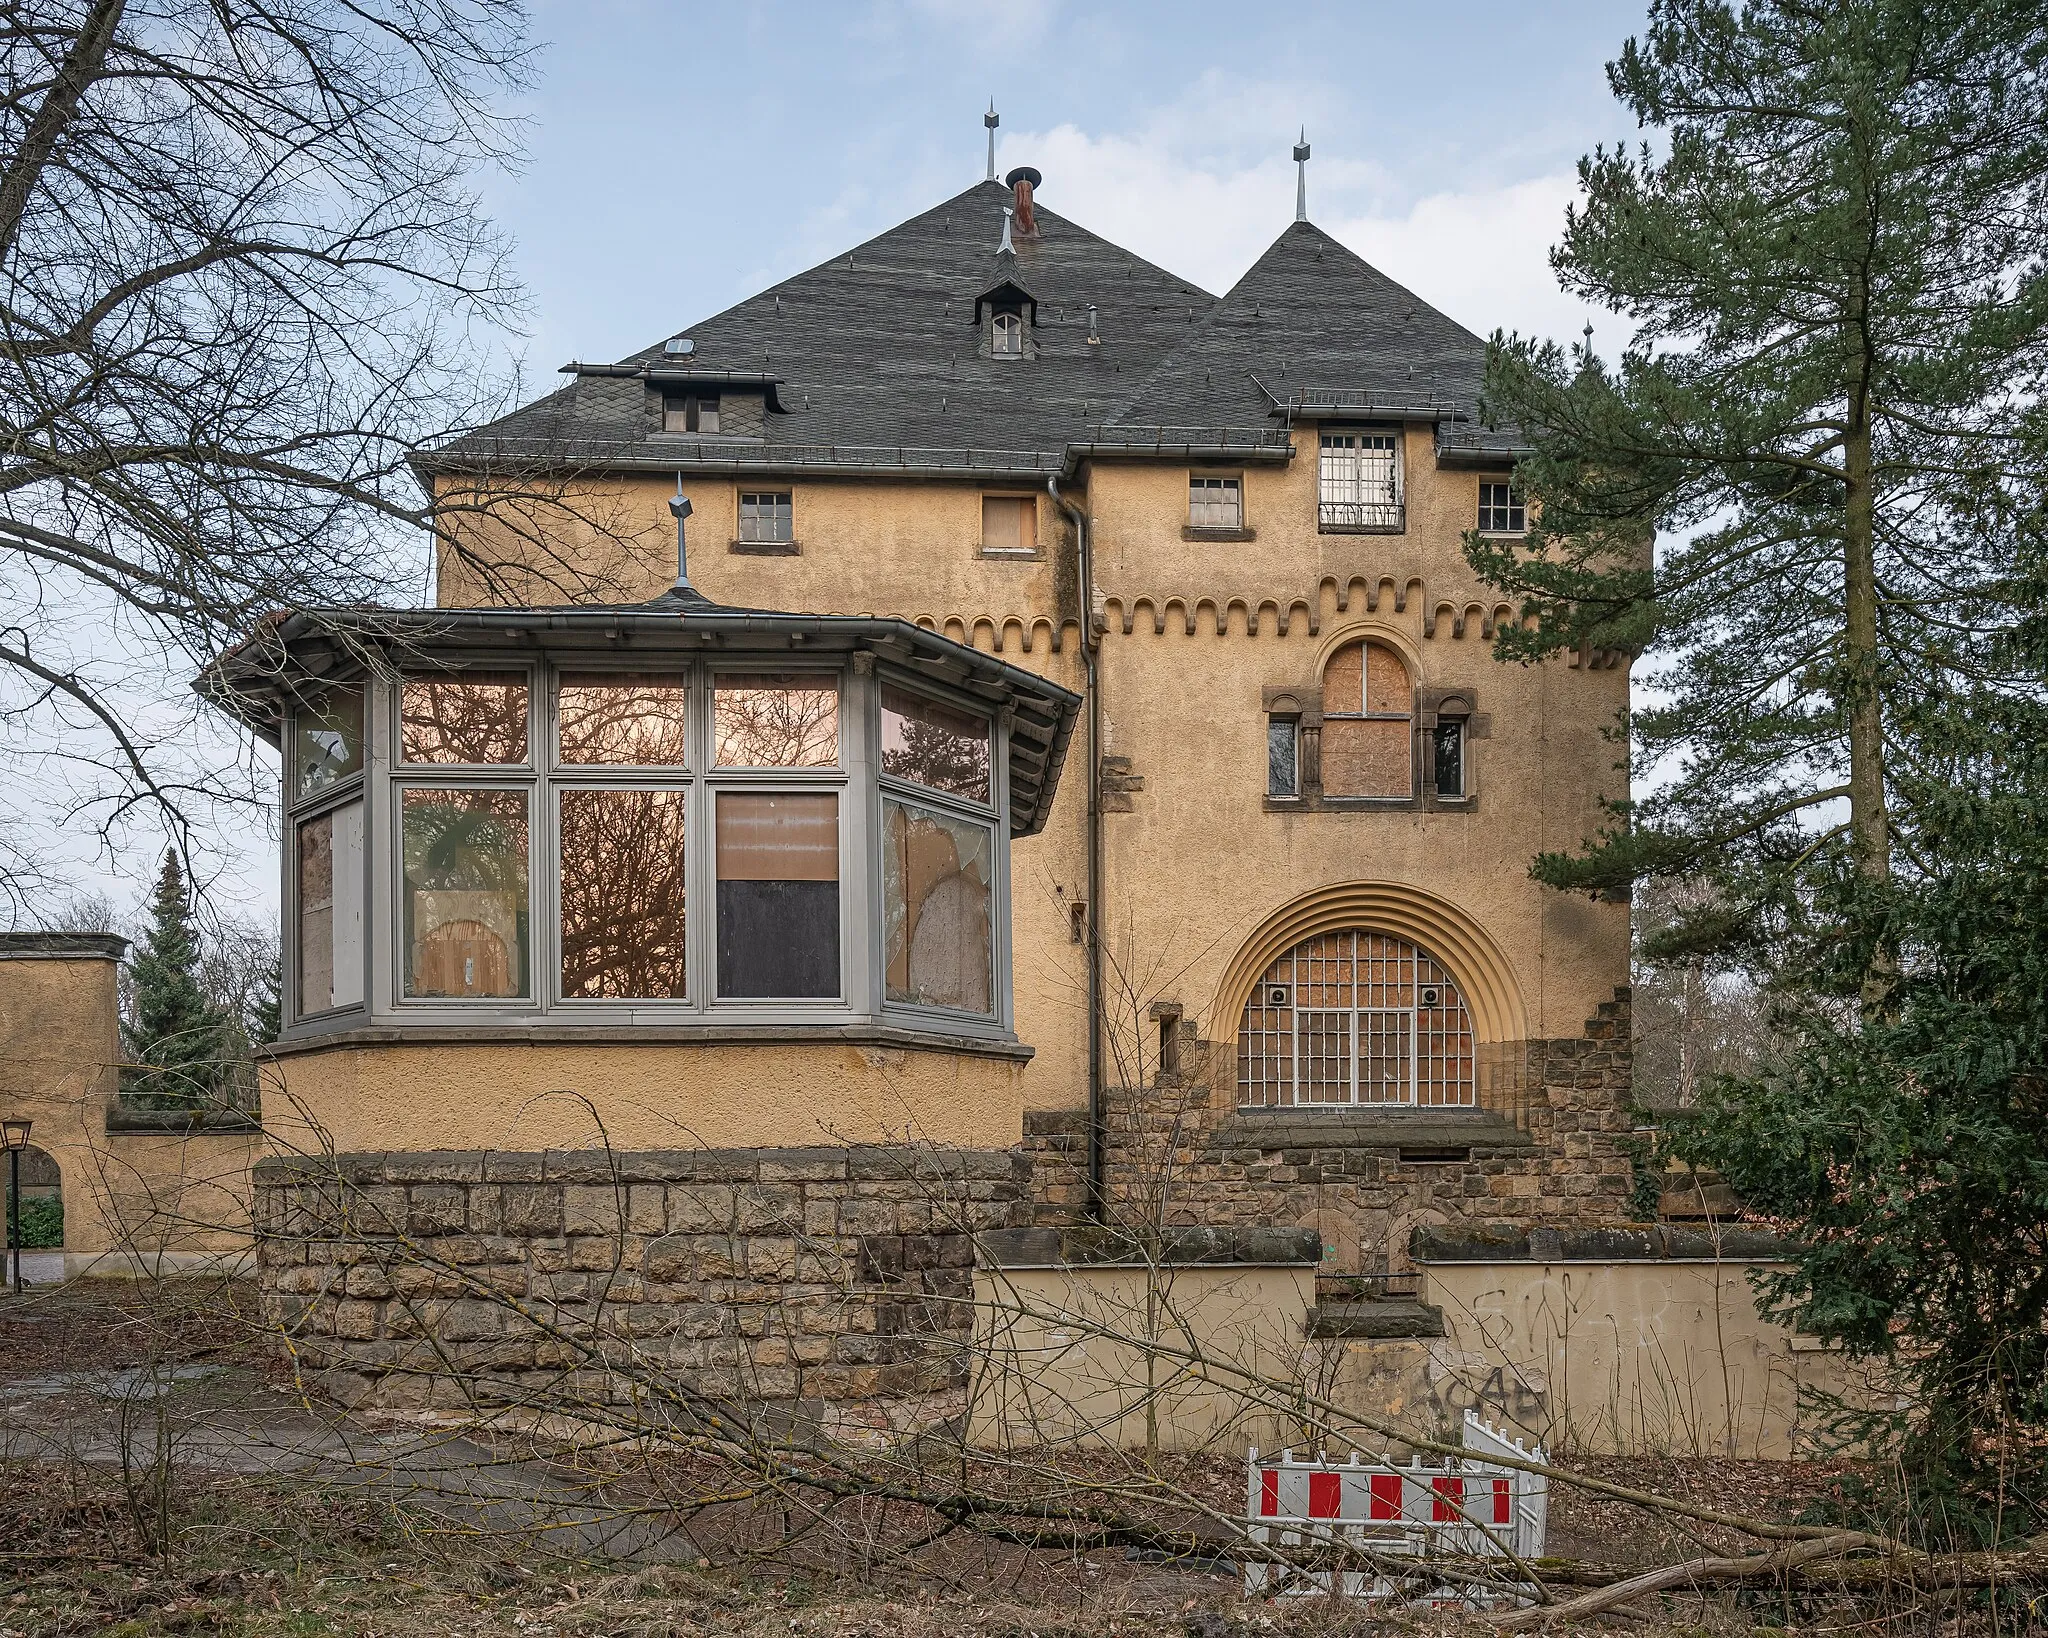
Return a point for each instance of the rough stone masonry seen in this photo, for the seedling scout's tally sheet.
(572, 1280)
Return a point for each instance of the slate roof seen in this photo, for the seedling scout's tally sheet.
(875, 360)
(874, 354)
(1313, 330)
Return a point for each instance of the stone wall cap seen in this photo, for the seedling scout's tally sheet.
(42, 946)
(1648, 1243)
(1219, 1246)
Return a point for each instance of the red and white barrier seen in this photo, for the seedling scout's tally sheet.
(1465, 1507)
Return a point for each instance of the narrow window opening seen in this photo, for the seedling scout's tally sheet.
(1447, 757)
(1077, 922)
(1283, 756)
(1006, 335)
(1169, 1045)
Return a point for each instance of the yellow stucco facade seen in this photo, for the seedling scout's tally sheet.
(1205, 880)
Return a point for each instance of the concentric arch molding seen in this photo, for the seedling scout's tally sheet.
(1465, 950)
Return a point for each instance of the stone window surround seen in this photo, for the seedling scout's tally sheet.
(861, 1006)
(1303, 705)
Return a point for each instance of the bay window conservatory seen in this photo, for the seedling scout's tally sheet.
(707, 822)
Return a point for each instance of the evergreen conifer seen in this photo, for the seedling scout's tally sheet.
(175, 1038)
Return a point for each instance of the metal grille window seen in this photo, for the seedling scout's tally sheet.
(1215, 503)
(1359, 484)
(1501, 511)
(766, 516)
(1356, 1018)
(689, 412)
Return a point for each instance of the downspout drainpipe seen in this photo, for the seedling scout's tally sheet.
(1092, 687)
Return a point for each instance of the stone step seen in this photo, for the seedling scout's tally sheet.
(1366, 1320)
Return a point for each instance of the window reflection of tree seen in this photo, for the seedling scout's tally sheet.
(465, 892)
(630, 719)
(777, 722)
(930, 745)
(479, 717)
(622, 894)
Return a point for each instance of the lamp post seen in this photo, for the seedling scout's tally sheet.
(15, 1132)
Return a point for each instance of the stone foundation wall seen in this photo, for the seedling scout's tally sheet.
(1181, 1151)
(572, 1279)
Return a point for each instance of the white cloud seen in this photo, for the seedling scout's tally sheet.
(1165, 191)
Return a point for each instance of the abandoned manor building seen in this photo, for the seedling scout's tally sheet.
(984, 711)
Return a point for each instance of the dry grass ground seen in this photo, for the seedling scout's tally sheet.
(299, 1549)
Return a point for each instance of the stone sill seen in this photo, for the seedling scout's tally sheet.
(883, 1035)
(1663, 1243)
(123, 1120)
(1193, 531)
(1008, 554)
(765, 548)
(1371, 804)
(1480, 1131)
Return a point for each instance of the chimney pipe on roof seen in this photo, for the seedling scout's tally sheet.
(1023, 179)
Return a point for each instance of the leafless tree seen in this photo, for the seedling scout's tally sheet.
(243, 277)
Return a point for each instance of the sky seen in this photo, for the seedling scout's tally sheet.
(679, 157)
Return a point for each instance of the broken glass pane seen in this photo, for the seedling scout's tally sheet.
(935, 896)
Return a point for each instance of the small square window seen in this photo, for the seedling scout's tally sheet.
(1009, 523)
(1501, 511)
(689, 412)
(1215, 503)
(766, 516)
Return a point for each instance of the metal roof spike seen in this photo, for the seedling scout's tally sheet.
(991, 119)
(1301, 177)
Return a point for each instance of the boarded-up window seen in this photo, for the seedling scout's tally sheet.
(1368, 721)
(778, 894)
(1009, 523)
(1356, 1017)
(936, 897)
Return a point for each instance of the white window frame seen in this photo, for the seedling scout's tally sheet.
(1006, 335)
(1360, 484)
(1513, 506)
(1226, 496)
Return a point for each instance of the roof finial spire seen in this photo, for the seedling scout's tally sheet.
(680, 506)
(1301, 177)
(1006, 248)
(991, 119)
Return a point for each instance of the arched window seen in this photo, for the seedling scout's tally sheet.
(1356, 1018)
(1007, 333)
(1368, 723)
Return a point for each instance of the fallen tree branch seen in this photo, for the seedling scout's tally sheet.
(1719, 1572)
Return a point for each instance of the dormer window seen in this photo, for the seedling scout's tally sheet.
(1006, 335)
(689, 412)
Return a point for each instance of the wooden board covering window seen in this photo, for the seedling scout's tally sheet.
(1009, 523)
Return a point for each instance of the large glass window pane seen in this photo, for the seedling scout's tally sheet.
(330, 908)
(778, 894)
(327, 740)
(465, 902)
(934, 745)
(935, 896)
(629, 718)
(475, 717)
(777, 721)
(622, 894)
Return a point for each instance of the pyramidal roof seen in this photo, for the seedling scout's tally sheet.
(879, 348)
(1313, 328)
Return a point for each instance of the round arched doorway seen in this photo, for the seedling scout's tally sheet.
(1356, 1018)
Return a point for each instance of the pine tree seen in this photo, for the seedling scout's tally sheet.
(176, 1039)
(1837, 273)
(266, 1011)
